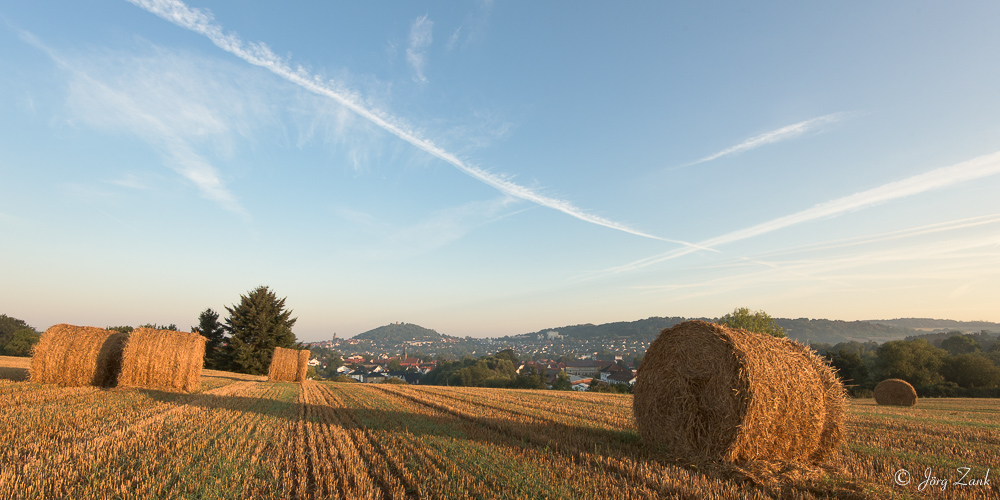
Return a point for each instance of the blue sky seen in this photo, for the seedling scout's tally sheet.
(494, 168)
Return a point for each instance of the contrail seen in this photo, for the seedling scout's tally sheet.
(976, 168)
(259, 54)
(781, 134)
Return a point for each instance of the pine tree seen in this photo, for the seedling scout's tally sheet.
(256, 326)
(210, 327)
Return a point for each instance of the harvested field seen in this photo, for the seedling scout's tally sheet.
(239, 436)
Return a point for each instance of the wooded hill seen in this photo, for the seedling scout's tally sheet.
(940, 324)
(397, 333)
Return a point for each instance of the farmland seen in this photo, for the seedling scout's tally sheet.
(240, 436)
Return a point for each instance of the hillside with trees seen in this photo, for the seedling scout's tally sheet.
(834, 331)
(939, 324)
(643, 329)
(400, 332)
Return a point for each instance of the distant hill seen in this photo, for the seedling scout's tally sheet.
(802, 329)
(399, 333)
(834, 331)
(643, 329)
(928, 324)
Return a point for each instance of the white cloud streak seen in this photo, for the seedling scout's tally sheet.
(137, 104)
(421, 36)
(781, 134)
(259, 54)
(939, 178)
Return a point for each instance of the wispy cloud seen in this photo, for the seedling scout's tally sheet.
(421, 36)
(259, 54)
(160, 105)
(129, 180)
(939, 178)
(781, 134)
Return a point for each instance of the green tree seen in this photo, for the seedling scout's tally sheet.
(257, 325)
(754, 321)
(172, 327)
(851, 368)
(394, 366)
(16, 337)
(210, 327)
(915, 361)
(971, 370)
(528, 379)
(562, 382)
(960, 344)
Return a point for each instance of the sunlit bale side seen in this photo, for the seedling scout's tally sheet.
(708, 392)
(77, 355)
(895, 392)
(288, 365)
(163, 359)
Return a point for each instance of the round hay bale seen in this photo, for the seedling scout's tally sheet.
(163, 359)
(895, 392)
(707, 392)
(288, 365)
(71, 355)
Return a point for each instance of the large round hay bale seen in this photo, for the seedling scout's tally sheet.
(707, 392)
(163, 359)
(77, 355)
(895, 392)
(288, 365)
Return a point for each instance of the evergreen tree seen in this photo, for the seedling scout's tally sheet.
(210, 327)
(257, 325)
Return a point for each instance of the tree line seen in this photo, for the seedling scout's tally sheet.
(959, 365)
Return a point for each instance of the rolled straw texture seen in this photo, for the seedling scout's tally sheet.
(163, 359)
(705, 392)
(288, 365)
(71, 355)
(895, 392)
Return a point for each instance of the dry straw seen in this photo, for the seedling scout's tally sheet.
(77, 355)
(705, 392)
(163, 359)
(288, 365)
(895, 392)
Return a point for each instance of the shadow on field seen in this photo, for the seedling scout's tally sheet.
(15, 374)
(602, 448)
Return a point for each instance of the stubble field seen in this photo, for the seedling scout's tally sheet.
(242, 437)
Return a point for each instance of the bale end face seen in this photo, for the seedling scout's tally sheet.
(288, 365)
(895, 392)
(71, 355)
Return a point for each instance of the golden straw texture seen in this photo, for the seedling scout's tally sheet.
(163, 359)
(77, 355)
(705, 392)
(288, 365)
(895, 392)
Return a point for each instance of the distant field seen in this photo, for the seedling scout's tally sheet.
(243, 437)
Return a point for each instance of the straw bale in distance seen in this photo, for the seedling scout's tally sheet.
(705, 392)
(71, 355)
(288, 365)
(163, 359)
(895, 392)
